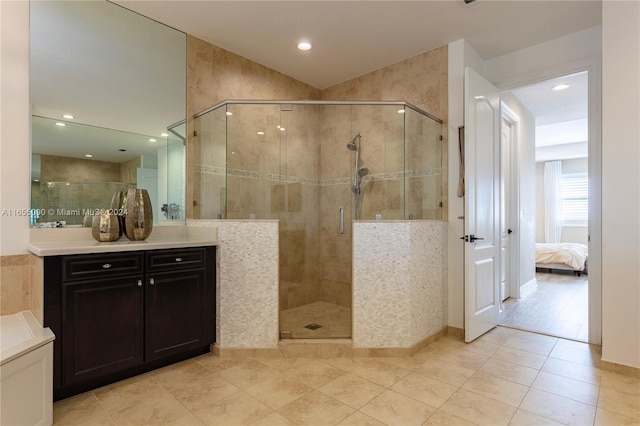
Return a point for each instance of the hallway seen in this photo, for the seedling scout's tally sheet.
(558, 306)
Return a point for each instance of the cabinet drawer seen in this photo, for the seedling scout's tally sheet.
(81, 267)
(165, 260)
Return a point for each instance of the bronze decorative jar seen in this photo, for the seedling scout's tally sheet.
(105, 227)
(138, 218)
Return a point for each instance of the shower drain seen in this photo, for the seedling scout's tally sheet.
(312, 326)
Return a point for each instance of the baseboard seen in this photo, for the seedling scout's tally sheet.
(400, 352)
(329, 348)
(455, 332)
(528, 287)
(620, 369)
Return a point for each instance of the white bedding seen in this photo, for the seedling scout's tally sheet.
(571, 254)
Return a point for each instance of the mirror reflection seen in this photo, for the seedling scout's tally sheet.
(108, 95)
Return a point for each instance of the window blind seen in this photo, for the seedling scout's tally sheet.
(575, 199)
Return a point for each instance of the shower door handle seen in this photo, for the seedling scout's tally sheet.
(341, 230)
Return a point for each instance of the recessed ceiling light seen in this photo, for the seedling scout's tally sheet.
(560, 86)
(88, 155)
(304, 45)
(68, 116)
(400, 111)
(152, 140)
(282, 129)
(60, 124)
(229, 113)
(164, 135)
(261, 133)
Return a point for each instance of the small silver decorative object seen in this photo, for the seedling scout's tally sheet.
(138, 217)
(105, 227)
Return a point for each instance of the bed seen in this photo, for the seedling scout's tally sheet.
(562, 257)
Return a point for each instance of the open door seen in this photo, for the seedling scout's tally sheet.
(482, 206)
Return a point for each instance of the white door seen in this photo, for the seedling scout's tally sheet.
(506, 130)
(482, 206)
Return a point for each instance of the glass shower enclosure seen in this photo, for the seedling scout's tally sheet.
(316, 166)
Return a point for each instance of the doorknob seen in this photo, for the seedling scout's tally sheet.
(470, 238)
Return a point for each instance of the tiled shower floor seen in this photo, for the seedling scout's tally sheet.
(334, 321)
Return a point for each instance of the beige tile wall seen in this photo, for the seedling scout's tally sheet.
(215, 75)
(421, 80)
(15, 291)
(36, 287)
(129, 171)
(65, 169)
(311, 248)
(21, 285)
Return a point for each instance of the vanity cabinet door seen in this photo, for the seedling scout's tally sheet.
(175, 315)
(102, 325)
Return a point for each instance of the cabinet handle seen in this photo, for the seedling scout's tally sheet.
(106, 266)
(152, 281)
(178, 259)
(139, 283)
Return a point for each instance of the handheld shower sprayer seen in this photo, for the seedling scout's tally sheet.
(354, 145)
(358, 172)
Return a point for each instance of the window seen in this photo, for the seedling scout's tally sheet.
(575, 199)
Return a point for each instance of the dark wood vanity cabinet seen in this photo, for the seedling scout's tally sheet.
(120, 314)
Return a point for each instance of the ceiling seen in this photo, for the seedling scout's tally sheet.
(561, 116)
(350, 38)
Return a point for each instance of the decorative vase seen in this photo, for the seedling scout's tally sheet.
(138, 218)
(105, 227)
(118, 208)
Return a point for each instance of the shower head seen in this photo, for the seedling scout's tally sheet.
(351, 145)
(363, 172)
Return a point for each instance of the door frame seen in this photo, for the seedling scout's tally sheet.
(512, 197)
(594, 72)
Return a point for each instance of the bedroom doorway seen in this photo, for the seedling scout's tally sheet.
(549, 193)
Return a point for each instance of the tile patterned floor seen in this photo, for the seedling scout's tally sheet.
(505, 377)
(558, 305)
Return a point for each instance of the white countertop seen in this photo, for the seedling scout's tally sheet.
(61, 241)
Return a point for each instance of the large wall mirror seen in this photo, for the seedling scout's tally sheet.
(108, 98)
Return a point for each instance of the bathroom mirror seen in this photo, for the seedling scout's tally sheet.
(108, 98)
